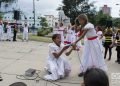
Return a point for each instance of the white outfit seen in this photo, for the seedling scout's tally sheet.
(69, 36)
(25, 33)
(92, 52)
(79, 45)
(61, 32)
(99, 34)
(55, 30)
(1, 32)
(9, 32)
(60, 67)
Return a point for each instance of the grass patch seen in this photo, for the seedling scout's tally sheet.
(38, 38)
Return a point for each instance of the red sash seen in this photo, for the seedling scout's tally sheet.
(80, 33)
(92, 38)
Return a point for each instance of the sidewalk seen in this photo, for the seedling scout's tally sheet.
(17, 57)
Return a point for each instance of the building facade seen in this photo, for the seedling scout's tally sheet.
(106, 10)
(51, 20)
(63, 18)
(9, 17)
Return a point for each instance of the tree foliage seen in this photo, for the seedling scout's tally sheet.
(7, 1)
(72, 8)
(43, 22)
(101, 19)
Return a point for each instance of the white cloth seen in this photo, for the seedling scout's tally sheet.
(92, 56)
(92, 52)
(79, 45)
(61, 32)
(70, 36)
(91, 32)
(58, 67)
(55, 30)
(9, 32)
(25, 33)
(99, 34)
(1, 32)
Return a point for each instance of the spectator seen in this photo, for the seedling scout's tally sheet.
(95, 77)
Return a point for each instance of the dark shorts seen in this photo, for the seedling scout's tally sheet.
(107, 44)
(118, 48)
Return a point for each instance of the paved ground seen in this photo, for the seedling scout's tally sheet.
(17, 57)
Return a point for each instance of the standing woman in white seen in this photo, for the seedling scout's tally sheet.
(1, 31)
(9, 32)
(92, 54)
(25, 33)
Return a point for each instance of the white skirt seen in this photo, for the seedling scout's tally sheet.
(58, 67)
(92, 56)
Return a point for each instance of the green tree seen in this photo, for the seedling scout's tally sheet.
(101, 18)
(7, 1)
(116, 22)
(43, 22)
(72, 8)
(1, 16)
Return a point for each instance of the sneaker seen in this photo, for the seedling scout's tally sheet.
(116, 61)
(1, 78)
(81, 74)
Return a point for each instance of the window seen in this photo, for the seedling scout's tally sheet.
(37, 24)
(5, 17)
(30, 24)
(29, 17)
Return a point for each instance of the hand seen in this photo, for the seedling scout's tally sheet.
(74, 45)
(65, 47)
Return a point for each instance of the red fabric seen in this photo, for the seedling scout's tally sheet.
(92, 38)
(80, 33)
(66, 42)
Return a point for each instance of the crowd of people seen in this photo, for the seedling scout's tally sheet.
(66, 40)
(11, 32)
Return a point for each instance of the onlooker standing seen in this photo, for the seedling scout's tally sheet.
(109, 35)
(1, 31)
(15, 32)
(25, 33)
(118, 45)
(9, 32)
(95, 77)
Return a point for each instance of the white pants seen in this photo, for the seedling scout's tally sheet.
(1, 35)
(25, 35)
(59, 68)
(9, 35)
(92, 56)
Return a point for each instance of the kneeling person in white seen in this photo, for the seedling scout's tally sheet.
(25, 33)
(57, 65)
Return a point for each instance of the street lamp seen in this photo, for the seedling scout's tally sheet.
(34, 11)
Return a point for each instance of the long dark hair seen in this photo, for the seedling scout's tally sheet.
(83, 17)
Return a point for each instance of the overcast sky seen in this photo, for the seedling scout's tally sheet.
(50, 6)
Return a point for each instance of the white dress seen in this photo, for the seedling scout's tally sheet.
(60, 67)
(9, 32)
(99, 34)
(69, 36)
(1, 32)
(92, 52)
(61, 32)
(25, 33)
(79, 45)
(55, 30)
